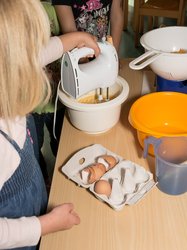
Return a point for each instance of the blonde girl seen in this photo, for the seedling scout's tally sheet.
(24, 49)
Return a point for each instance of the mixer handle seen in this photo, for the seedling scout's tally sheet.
(82, 52)
(85, 51)
(151, 55)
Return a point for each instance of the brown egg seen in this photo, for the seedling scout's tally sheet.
(103, 187)
(111, 160)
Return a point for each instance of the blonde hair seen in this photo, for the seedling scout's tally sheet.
(25, 30)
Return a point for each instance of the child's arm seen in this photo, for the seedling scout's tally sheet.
(66, 18)
(79, 39)
(116, 21)
(59, 45)
(26, 231)
(52, 51)
(19, 232)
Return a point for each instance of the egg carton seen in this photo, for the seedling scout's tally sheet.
(130, 182)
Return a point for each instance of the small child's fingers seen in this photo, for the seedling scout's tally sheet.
(75, 217)
(95, 38)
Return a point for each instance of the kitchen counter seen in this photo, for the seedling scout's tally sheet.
(157, 222)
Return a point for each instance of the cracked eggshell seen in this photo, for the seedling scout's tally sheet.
(95, 172)
(82, 159)
(108, 160)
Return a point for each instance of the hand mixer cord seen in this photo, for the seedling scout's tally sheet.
(56, 101)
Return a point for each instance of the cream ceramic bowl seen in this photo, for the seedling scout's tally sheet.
(99, 117)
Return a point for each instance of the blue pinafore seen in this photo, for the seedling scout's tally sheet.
(24, 194)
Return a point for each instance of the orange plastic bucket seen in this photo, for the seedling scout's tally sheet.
(159, 114)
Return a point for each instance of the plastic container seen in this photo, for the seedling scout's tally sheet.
(168, 85)
(171, 163)
(129, 181)
(159, 114)
(166, 52)
(100, 117)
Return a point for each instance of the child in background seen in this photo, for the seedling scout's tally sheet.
(25, 49)
(44, 116)
(93, 16)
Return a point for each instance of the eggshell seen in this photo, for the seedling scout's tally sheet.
(95, 172)
(103, 187)
(111, 160)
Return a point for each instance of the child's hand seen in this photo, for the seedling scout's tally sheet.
(88, 40)
(79, 39)
(62, 217)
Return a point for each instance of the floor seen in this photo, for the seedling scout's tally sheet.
(127, 50)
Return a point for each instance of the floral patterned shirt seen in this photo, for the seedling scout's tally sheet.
(91, 15)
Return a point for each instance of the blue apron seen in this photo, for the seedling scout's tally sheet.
(24, 194)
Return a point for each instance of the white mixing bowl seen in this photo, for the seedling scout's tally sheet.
(99, 117)
(162, 48)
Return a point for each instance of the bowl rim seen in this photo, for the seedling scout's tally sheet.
(73, 104)
(142, 127)
(168, 53)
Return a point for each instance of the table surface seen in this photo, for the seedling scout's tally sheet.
(157, 222)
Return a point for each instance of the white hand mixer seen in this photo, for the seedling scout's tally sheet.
(101, 72)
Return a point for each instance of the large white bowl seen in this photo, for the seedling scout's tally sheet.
(159, 45)
(100, 117)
